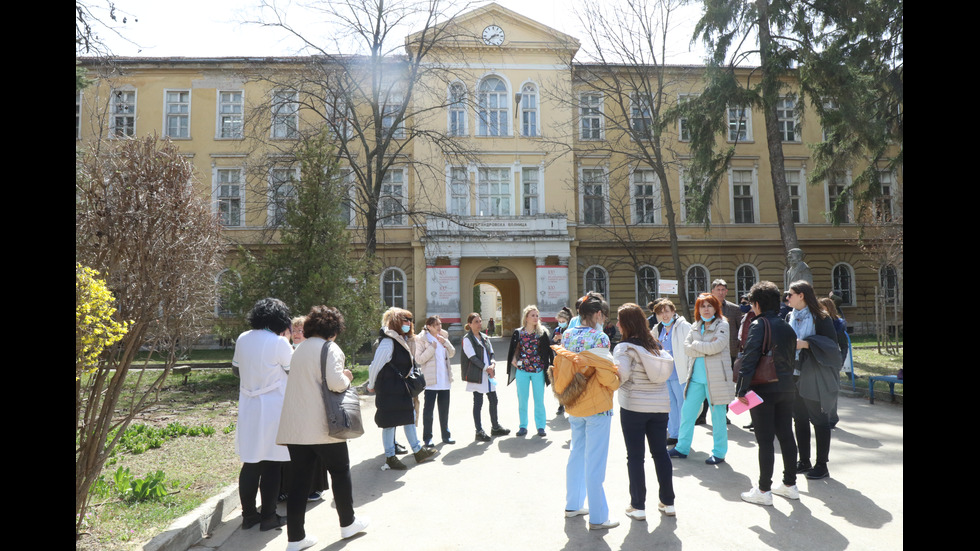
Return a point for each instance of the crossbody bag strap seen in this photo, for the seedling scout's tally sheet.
(323, 361)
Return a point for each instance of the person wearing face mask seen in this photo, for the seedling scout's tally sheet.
(671, 330)
(710, 377)
(433, 351)
(564, 317)
(392, 362)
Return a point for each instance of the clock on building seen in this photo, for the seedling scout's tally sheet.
(493, 35)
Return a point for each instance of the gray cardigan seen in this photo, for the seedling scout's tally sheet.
(644, 377)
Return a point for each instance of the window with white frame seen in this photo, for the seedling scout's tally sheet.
(683, 128)
(884, 202)
(285, 114)
(529, 110)
(123, 113)
(347, 191)
(494, 190)
(78, 114)
(459, 191)
(787, 120)
(597, 280)
(697, 282)
(794, 182)
(888, 278)
(739, 124)
(646, 285)
(530, 190)
(393, 288)
(690, 195)
(229, 285)
(391, 207)
(590, 115)
(228, 194)
(177, 109)
(492, 107)
(641, 116)
(457, 109)
(829, 105)
(646, 196)
(231, 114)
(838, 199)
(282, 190)
(391, 110)
(338, 115)
(745, 277)
(743, 198)
(843, 283)
(593, 196)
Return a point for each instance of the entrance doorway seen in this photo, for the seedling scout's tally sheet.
(499, 294)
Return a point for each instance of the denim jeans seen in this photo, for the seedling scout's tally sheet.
(586, 469)
(388, 437)
(696, 393)
(536, 382)
(652, 428)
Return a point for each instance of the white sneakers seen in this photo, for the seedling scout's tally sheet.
(580, 512)
(605, 525)
(758, 497)
(667, 509)
(354, 528)
(307, 542)
(636, 514)
(789, 492)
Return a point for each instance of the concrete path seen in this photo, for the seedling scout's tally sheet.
(509, 493)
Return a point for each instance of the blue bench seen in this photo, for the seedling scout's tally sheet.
(890, 379)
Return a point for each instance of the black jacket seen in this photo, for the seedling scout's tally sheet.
(783, 345)
(545, 352)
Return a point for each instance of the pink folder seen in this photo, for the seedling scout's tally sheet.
(739, 407)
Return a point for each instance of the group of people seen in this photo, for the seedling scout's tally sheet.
(663, 368)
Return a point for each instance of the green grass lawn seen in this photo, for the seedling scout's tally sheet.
(867, 361)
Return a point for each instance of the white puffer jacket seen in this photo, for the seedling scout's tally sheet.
(644, 377)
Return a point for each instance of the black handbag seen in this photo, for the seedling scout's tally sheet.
(414, 381)
(765, 370)
(343, 408)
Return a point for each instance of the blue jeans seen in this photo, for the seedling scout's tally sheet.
(536, 382)
(637, 427)
(696, 393)
(676, 390)
(586, 469)
(388, 437)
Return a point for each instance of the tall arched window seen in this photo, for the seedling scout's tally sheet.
(646, 285)
(843, 283)
(745, 277)
(888, 277)
(597, 280)
(529, 110)
(393, 287)
(492, 107)
(457, 109)
(697, 282)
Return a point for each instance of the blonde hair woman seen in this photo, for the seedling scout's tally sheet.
(528, 359)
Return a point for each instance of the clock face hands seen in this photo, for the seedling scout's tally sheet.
(493, 35)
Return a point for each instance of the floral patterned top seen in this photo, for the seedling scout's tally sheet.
(528, 352)
(581, 338)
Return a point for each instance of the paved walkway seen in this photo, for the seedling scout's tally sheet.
(509, 493)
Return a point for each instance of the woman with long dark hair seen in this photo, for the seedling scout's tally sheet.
(478, 350)
(818, 380)
(303, 427)
(644, 407)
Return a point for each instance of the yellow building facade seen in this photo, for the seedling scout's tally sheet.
(539, 194)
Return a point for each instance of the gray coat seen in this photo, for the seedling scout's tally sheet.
(819, 372)
(713, 347)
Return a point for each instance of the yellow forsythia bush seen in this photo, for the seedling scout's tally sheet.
(94, 327)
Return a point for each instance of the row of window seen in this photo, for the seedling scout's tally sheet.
(596, 278)
(229, 120)
(493, 109)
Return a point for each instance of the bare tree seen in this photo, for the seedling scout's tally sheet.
(626, 97)
(375, 102)
(140, 223)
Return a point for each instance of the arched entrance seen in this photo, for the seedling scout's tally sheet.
(507, 297)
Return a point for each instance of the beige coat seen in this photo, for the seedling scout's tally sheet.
(644, 376)
(304, 417)
(713, 347)
(425, 355)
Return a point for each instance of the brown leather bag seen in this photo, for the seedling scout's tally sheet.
(765, 370)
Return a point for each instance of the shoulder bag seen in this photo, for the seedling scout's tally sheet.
(765, 370)
(343, 408)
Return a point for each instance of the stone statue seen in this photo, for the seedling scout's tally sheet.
(798, 269)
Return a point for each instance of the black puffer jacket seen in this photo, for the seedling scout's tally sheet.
(783, 344)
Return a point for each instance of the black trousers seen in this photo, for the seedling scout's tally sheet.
(253, 476)
(431, 398)
(336, 460)
(478, 409)
(806, 412)
(773, 418)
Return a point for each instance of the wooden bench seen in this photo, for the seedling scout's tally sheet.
(890, 379)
